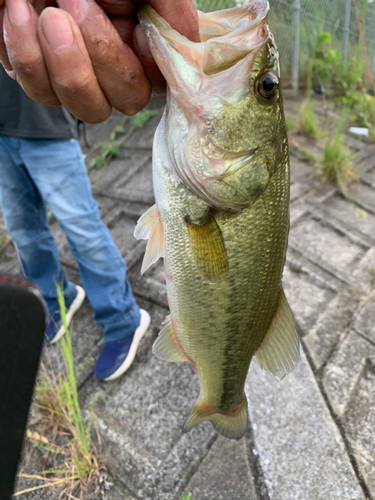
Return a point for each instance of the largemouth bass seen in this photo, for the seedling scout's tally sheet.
(221, 219)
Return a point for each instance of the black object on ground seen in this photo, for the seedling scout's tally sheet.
(22, 325)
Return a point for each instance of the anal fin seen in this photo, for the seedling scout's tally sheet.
(208, 246)
(166, 346)
(150, 227)
(279, 351)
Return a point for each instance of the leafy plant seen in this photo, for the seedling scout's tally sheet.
(187, 496)
(119, 134)
(329, 69)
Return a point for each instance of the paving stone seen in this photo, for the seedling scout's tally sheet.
(151, 285)
(369, 177)
(364, 322)
(143, 138)
(300, 449)
(297, 209)
(326, 247)
(363, 196)
(300, 172)
(359, 424)
(335, 318)
(228, 461)
(299, 263)
(141, 427)
(306, 299)
(138, 187)
(345, 370)
(119, 170)
(356, 218)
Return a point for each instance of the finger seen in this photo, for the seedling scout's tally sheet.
(118, 70)
(69, 67)
(142, 49)
(124, 27)
(182, 15)
(123, 8)
(24, 52)
(3, 51)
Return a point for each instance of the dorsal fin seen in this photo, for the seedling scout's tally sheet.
(149, 227)
(279, 351)
(166, 346)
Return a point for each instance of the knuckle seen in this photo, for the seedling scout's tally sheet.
(135, 103)
(73, 83)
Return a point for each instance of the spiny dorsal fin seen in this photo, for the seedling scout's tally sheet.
(279, 351)
(207, 242)
(231, 424)
(166, 346)
(150, 227)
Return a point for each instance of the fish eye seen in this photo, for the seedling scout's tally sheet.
(268, 85)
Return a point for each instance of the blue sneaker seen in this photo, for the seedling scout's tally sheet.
(117, 356)
(55, 329)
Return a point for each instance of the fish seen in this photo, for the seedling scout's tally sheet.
(221, 180)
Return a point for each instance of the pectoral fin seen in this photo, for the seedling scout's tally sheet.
(166, 346)
(208, 246)
(279, 351)
(150, 227)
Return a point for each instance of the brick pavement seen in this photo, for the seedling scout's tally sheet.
(312, 435)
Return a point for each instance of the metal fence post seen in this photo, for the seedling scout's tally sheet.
(373, 43)
(345, 41)
(296, 20)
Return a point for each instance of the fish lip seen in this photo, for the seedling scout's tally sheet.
(257, 12)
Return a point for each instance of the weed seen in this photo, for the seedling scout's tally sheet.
(336, 162)
(187, 496)
(120, 134)
(308, 123)
(76, 467)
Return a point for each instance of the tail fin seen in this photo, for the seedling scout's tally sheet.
(231, 424)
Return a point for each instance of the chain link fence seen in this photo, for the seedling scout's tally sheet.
(298, 24)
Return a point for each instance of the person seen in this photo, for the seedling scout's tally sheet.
(88, 59)
(41, 165)
(84, 57)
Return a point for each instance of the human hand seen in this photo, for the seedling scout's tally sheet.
(87, 57)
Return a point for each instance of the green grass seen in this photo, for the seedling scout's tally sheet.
(308, 123)
(336, 162)
(61, 431)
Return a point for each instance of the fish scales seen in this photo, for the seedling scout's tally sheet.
(221, 221)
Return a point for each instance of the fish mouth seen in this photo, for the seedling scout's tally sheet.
(227, 36)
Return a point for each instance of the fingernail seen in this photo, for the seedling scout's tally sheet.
(142, 42)
(56, 28)
(18, 12)
(78, 9)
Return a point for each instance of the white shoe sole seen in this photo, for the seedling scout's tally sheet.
(75, 305)
(138, 335)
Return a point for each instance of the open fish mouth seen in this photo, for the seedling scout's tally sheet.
(226, 36)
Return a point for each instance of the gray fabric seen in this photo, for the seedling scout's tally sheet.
(22, 117)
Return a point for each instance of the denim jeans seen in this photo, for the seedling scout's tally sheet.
(35, 173)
